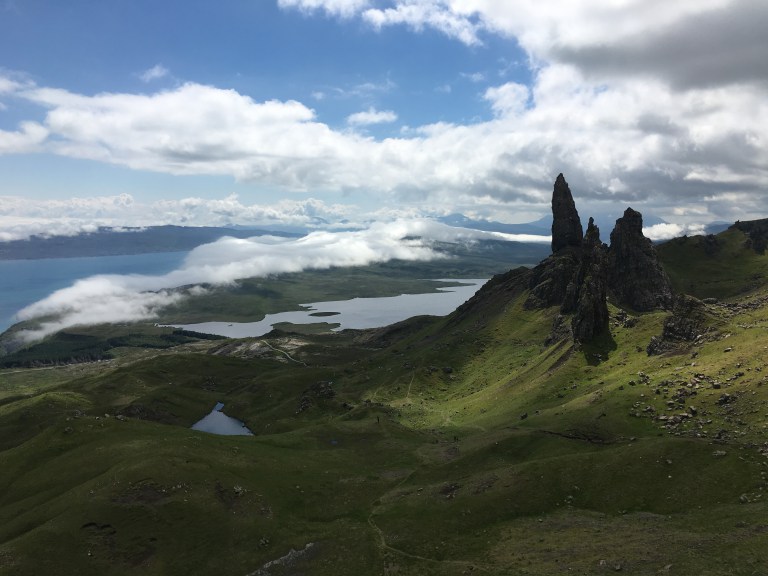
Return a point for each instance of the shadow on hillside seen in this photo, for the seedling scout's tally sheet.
(599, 349)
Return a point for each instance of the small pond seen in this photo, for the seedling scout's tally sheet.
(219, 423)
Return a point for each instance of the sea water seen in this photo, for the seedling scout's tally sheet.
(24, 282)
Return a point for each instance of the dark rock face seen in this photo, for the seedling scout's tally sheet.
(549, 280)
(586, 293)
(566, 225)
(582, 271)
(635, 276)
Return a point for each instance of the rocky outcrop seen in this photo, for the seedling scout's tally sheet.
(550, 279)
(586, 294)
(635, 276)
(582, 271)
(687, 323)
(566, 225)
(757, 234)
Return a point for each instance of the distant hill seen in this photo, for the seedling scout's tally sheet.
(114, 242)
(541, 227)
(718, 266)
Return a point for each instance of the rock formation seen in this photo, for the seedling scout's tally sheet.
(549, 280)
(552, 276)
(635, 276)
(688, 322)
(757, 234)
(566, 225)
(582, 271)
(587, 290)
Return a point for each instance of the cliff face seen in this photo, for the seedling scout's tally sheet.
(582, 271)
(635, 276)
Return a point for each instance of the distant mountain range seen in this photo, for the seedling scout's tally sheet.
(114, 242)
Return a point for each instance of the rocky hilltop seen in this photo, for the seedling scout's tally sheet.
(583, 272)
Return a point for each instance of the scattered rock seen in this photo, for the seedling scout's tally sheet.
(322, 390)
(687, 323)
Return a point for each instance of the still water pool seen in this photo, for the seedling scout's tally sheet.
(219, 423)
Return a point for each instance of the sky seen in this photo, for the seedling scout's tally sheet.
(339, 113)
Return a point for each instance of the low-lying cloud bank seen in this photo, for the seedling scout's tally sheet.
(130, 298)
(22, 218)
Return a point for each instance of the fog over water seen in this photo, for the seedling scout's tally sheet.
(24, 282)
(119, 298)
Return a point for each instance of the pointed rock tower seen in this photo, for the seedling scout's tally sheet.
(549, 280)
(591, 316)
(582, 271)
(566, 225)
(635, 276)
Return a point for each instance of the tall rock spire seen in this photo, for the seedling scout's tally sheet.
(635, 275)
(566, 225)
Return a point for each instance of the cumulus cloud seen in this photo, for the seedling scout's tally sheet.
(371, 116)
(450, 19)
(115, 298)
(666, 231)
(658, 143)
(155, 73)
(642, 101)
(28, 138)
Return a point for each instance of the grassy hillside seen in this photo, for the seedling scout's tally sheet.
(457, 445)
(720, 266)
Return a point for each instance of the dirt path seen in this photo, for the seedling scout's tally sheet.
(291, 358)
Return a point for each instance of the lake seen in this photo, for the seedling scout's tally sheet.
(24, 282)
(356, 313)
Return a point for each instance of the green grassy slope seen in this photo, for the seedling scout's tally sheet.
(720, 266)
(450, 446)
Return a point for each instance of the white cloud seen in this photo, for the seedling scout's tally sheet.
(344, 8)
(155, 73)
(115, 298)
(508, 99)
(451, 20)
(371, 116)
(475, 77)
(29, 138)
(668, 231)
(662, 145)
(659, 126)
(21, 218)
